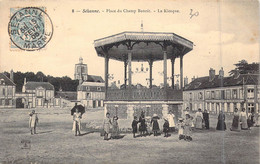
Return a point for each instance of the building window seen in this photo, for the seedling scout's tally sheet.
(200, 95)
(40, 94)
(228, 107)
(98, 88)
(4, 91)
(258, 93)
(228, 94)
(88, 95)
(217, 94)
(234, 93)
(208, 94)
(6, 102)
(39, 102)
(10, 91)
(251, 107)
(48, 94)
(250, 93)
(212, 95)
(1, 103)
(79, 69)
(241, 93)
(2, 82)
(190, 96)
(212, 107)
(223, 94)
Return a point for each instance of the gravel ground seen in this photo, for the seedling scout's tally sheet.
(56, 143)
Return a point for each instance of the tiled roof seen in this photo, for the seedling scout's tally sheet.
(67, 95)
(30, 85)
(93, 78)
(204, 83)
(6, 79)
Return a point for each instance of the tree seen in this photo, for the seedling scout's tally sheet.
(65, 83)
(244, 68)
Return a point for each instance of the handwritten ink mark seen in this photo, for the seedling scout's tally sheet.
(193, 14)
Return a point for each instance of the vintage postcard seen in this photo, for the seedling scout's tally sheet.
(95, 81)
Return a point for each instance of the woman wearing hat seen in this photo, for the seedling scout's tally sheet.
(155, 124)
(198, 119)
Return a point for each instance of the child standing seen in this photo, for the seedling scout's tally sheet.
(187, 128)
(134, 126)
(106, 126)
(155, 124)
(166, 127)
(180, 128)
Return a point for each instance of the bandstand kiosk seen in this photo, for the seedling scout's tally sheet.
(148, 47)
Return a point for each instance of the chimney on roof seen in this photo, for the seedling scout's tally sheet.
(193, 78)
(12, 75)
(211, 74)
(221, 73)
(186, 81)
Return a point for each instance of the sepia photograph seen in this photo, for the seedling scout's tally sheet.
(129, 82)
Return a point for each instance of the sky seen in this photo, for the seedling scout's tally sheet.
(223, 32)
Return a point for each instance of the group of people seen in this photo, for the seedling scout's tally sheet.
(146, 126)
(241, 121)
(106, 127)
(184, 126)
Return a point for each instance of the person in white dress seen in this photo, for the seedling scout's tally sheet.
(243, 119)
(171, 120)
(198, 119)
(76, 122)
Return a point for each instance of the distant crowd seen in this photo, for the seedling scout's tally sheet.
(147, 126)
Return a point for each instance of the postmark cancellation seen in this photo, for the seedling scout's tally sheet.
(29, 28)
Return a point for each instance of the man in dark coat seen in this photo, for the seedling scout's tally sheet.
(206, 118)
(142, 127)
(134, 126)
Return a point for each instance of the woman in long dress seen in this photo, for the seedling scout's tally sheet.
(206, 118)
(198, 119)
(142, 127)
(76, 122)
(221, 121)
(243, 119)
(187, 128)
(155, 124)
(115, 128)
(106, 126)
(170, 118)
(236, 123)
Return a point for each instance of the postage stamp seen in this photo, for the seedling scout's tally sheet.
(29, 28)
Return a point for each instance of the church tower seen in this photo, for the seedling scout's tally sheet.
(81, 71)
